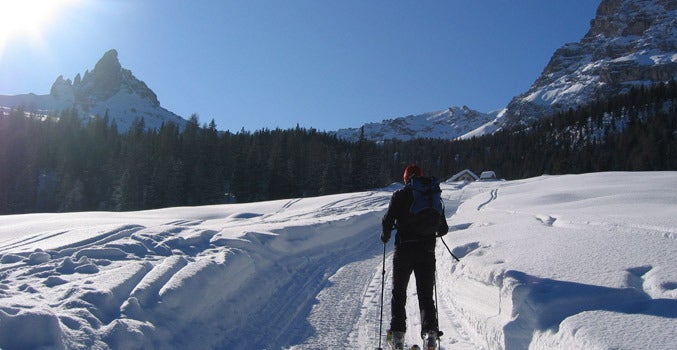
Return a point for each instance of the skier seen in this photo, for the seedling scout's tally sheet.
(414, 252)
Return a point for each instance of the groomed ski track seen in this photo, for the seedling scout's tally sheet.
(347, 311)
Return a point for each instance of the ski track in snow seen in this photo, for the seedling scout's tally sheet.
(362, 280)
(337, 311)
(123, 277)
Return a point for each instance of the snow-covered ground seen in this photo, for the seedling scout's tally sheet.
(553, 262)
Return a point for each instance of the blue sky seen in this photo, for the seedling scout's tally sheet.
(256, 64)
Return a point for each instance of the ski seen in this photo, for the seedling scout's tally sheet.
(413, 347)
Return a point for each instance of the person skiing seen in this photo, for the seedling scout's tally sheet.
(414, 252)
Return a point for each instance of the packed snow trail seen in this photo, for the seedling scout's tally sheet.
(362, 281)
(337, 312)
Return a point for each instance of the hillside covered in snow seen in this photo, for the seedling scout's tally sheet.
(553, 262)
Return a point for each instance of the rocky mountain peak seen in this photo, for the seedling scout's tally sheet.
(62, 88)
(630, 42)
(105, 80)
(608, 21)
(107, 89)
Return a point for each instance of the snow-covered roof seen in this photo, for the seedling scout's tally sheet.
(488, 175)
(463, 174)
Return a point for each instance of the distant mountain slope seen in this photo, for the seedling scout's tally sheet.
(630, 42)
(446, 124)
(107, 88)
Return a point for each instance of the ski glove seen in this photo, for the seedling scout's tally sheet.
(385, 236)
(444, 228)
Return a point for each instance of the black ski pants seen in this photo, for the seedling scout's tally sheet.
(419, 259)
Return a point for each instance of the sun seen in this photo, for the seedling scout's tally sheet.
(25, 19)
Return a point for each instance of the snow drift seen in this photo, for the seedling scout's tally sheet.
(553, 262)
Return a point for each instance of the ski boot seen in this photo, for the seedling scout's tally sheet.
(430, 340)
(395, 340)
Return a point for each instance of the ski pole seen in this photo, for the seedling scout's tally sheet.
(449, 250)
(383, 277)
(437, 310)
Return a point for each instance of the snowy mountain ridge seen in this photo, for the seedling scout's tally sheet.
(451, 123)
(108, 88)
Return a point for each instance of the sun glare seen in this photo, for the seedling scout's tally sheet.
(20, 19)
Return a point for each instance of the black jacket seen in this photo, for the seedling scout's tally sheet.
(398, 212)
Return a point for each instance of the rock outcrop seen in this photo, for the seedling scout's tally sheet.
(630, 42)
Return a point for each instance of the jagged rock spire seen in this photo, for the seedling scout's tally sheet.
(105, 80)
(107, 89)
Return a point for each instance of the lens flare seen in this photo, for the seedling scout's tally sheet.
(26, 19)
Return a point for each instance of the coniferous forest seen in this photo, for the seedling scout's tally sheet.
(62, 163)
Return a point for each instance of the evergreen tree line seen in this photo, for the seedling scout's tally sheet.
(62, 164)
(636, 131)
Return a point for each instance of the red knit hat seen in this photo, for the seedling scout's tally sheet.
(411, 171)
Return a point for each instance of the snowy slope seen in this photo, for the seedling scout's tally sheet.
(553, 262)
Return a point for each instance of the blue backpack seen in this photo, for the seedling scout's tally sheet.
(427, 207)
